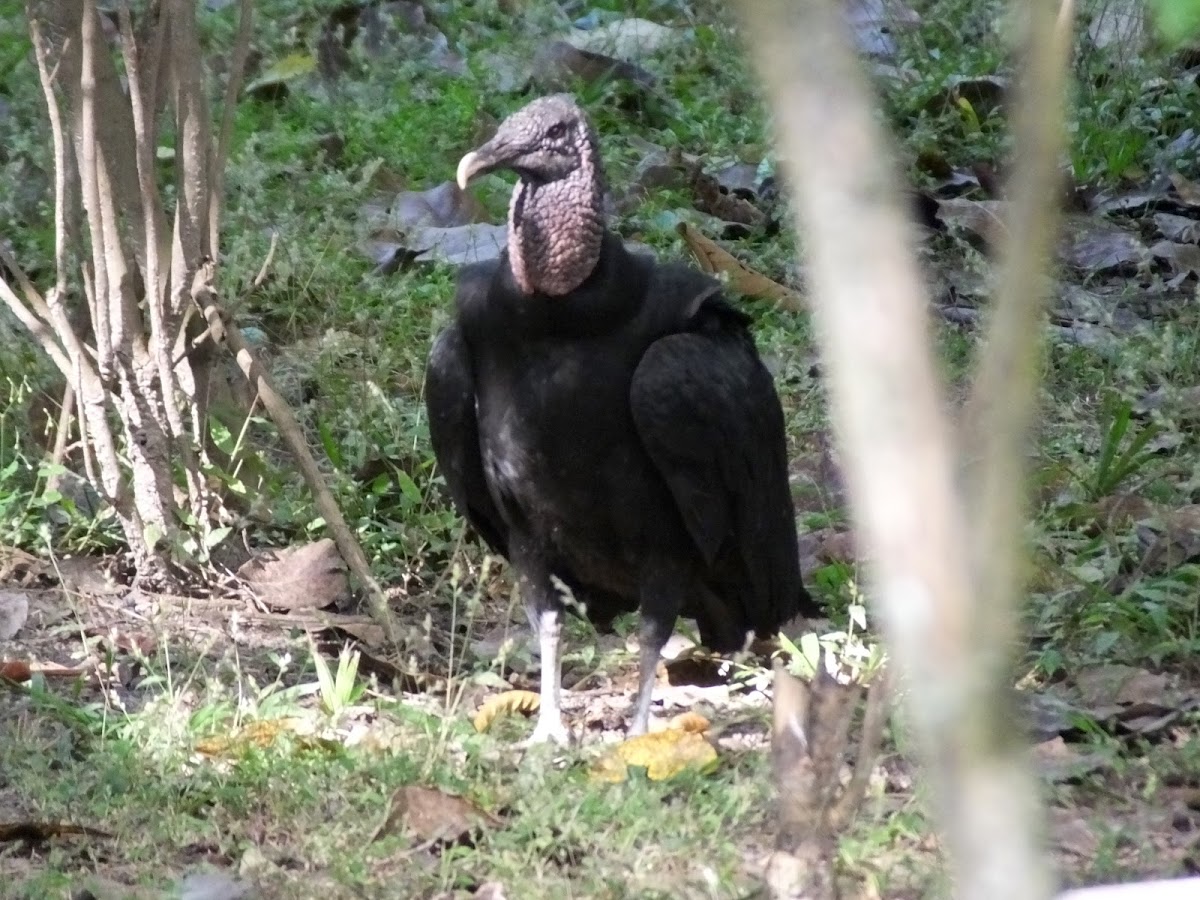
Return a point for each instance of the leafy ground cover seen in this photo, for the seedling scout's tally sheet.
(185, 739)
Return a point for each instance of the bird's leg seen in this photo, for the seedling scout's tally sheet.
(655, 631)
(545, 615)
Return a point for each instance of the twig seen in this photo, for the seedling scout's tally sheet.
(220, 156)
(60, 154)
(266, 266)
(88, 177)
(34, 323)
(289, 430)
(874, 719)
(65, 411)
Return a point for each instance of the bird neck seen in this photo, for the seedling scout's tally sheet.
(556, 230)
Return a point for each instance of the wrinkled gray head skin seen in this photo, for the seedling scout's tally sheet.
(556, 223)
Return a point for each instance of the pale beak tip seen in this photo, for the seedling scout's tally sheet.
(463, 175)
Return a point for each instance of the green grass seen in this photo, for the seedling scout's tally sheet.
(349, 351)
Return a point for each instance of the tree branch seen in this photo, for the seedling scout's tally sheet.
(220, 156)
(1000, 408)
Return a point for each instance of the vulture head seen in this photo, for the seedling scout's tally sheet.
(555, 219)
(547, 140)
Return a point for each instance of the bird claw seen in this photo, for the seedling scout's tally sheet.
(549, 731)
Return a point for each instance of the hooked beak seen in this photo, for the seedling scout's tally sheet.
(491, 156)
(496, 154)
(468, 168)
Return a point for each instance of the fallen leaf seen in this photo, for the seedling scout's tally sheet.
(21, 670)
(663, 754)
(875, 22)
(1120, 25)
(1118, 512)
(17, 670)
(983, 218)
(691, 722)
(716, 260)
(433, 816)
(629, 40)
(505, 704)
(1073, 834)
(443, 206)
(260, 733)
(709, 198)
(1188, 191)
(1056, 760)
(213, 886)
(557, 65)
(1096, 246)
(1183, 258)
(19, 567)
(1181, 229)
(14, 610)
(276, 76)
(304, 576)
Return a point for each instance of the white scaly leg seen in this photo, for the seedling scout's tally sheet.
(550, 725)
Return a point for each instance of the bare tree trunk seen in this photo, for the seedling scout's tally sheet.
(944, 561)
(134, 269)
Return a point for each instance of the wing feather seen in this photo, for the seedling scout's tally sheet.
(706, 410)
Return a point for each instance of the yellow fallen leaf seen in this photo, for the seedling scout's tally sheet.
(292, 66)
(503, 704)
(715, 259)
(663, 754)
(259, 733)
(690, 721)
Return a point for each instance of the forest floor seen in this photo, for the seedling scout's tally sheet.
(190, 743)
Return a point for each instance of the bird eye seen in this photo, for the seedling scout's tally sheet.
(555, 131)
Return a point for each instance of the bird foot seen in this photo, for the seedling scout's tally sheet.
(549, 731)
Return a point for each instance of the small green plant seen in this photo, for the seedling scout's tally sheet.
(341, 689)
(848, 655)
(1120, 458)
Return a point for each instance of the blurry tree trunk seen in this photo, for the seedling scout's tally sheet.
(940, 528)
(139, 385)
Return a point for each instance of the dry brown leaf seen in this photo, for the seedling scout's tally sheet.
(433, 816)
(1118, 512)
(715, 259)
(305, 576)
(22, 670)
(505, 704)
(663, 754)
(17, 670)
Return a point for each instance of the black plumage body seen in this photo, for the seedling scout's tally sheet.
(626, 439)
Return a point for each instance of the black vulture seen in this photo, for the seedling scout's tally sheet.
(605, 422)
